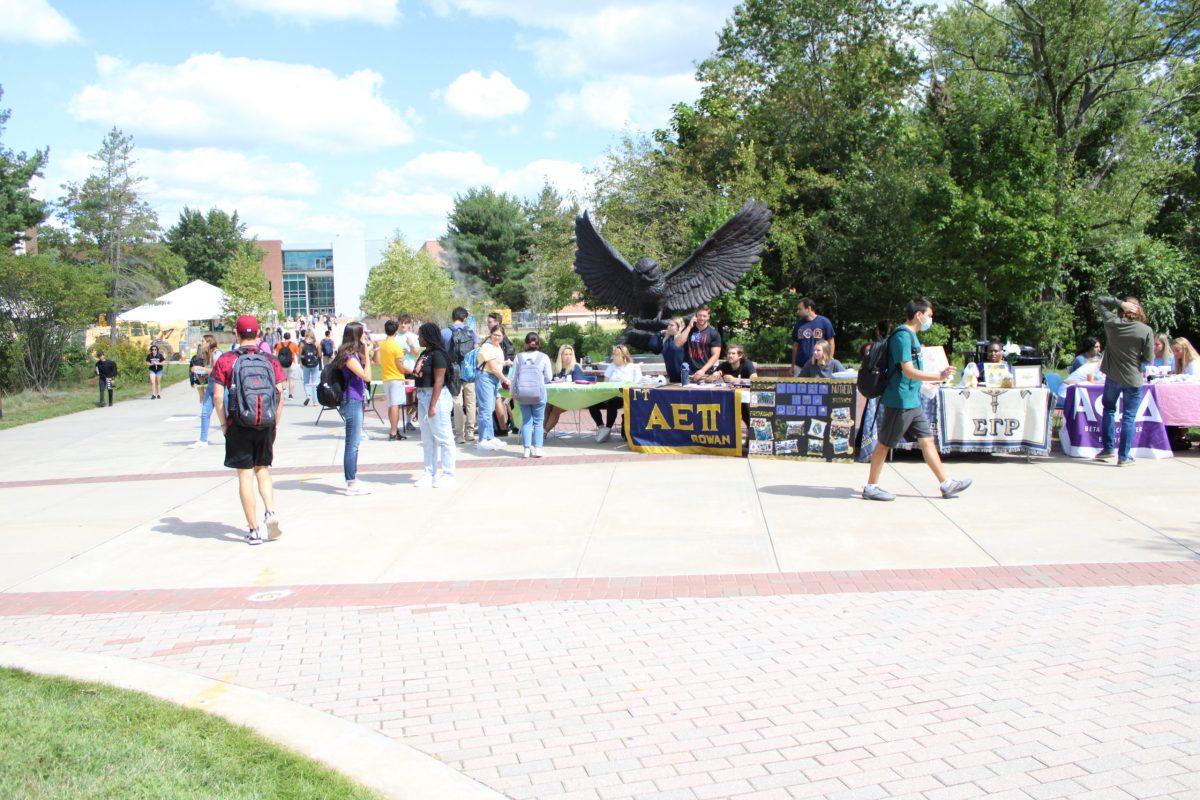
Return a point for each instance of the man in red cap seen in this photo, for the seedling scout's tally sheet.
(248, 397)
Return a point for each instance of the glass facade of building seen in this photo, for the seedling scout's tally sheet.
(307, 282)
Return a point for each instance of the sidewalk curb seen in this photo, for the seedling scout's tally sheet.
(370, 758)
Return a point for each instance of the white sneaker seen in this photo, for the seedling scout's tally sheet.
(446, 482)
(528, 452)
(274, 529)
(498, 444)
(485, 444)
(197, 445)
(356, 490)
(537, 452)
(424, 482)
(602, 434)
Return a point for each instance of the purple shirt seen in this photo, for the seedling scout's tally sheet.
(356, 387)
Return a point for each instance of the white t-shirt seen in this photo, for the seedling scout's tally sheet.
(630, 373)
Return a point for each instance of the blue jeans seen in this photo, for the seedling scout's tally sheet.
(437, 435)
(206, 409)
(312, 377)
(352, 413)
(1131, 399)
(533, 431)
(487, 388)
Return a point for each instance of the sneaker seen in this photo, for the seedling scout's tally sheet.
(956, 487)
(307, 400)
(537, 452)
(1105, 455)
(528, 452)
(274, 529)
(424, 482)
(877, 493)
(1126, 462)
(602, 434)
(196, 445)
(392, 437)
(485, 444)
(408, 427)
(252, 537)
(497, 444)
(446, 482)
(357, 490)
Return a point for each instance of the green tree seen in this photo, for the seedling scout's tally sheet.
(551, 282)
(44, 301)
(111, 222)
(246, 288)
(206, 242)
(19, 210)
(489, 236)
(408, 281)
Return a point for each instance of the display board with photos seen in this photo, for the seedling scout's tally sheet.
(802, 418)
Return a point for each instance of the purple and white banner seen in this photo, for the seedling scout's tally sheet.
(1083, 418)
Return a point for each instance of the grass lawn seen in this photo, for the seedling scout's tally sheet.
(30, 406)
(66, 739)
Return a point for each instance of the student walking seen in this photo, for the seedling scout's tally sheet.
(154, 366)
(248, 396)
(903, 419)
(530, 373)
(310, 367)
(1128, 344)
(434, 375)
(106, 373)
(353, 360)
(201, 368)
(327, 348)
(286, 353)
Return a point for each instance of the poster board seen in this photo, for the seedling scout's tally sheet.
(802, 418)
(933, 358)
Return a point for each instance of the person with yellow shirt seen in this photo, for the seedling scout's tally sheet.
(394, 366)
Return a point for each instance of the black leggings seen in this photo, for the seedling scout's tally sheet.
(105, 387)
(610, 407)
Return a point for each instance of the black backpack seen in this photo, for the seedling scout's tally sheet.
(876, 370)
(253, 395)
(309, 357)
(327, 347)
(285, 357)
(332, 386)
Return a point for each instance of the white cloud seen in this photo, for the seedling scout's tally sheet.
(211, 170)
(400, 204)
(382, 12)
(473, 95)
(446, 168)
(635, 101)
(653, 37)
(568, 177)
(34, 22)
(214, 99)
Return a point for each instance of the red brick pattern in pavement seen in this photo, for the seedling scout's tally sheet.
(501, 592)
(1013, 694)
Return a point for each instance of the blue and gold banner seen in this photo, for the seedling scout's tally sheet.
(679, 420)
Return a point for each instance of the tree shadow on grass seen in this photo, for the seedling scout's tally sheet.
(200, 529)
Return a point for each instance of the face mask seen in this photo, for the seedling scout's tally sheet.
(926, 325)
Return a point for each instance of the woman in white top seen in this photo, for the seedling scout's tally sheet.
(623, 369)
(529, 375)
(489, 377)
(1187, 360)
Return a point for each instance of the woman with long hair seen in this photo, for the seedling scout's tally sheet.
(1187, 360)
(622, 369)
(154, 365)
(206, 356)
(1090, 351)
(432, 372)
(673, 347)
(566, 370)
(529, 375)
(354, 361)
(489, 377)
(1163, 357)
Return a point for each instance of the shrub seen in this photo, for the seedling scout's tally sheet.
(12, 378)
(767, 345)
(597, 342)
(76, 363)
(559, 335)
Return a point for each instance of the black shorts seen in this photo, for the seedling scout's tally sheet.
(247, 448)
(897, 426)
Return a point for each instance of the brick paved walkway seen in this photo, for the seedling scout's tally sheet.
(999, 693)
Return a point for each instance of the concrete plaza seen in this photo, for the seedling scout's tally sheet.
(600, 623)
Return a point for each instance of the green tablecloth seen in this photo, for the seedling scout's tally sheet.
(574, 396)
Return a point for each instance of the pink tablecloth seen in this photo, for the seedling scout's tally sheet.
(1178, 403)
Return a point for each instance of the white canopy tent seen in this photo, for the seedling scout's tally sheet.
(195, 301)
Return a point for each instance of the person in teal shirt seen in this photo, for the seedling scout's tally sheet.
(902, 418)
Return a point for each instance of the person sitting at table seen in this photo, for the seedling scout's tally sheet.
(1088, 353)
(623, 369)
(1187, 360)
(821, 365)
(566, 370)
(1163, 355)
(670, 344)
(736, 368)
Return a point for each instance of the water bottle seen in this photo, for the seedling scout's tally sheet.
(971, 375)
(685, 372)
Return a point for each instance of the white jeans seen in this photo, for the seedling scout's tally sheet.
(436, 436)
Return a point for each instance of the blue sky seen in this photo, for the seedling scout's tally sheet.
(361, 117)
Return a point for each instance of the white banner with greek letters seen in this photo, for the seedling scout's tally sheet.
(984, 420)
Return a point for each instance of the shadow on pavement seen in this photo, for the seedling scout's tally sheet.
(308, 486)
(203, 529)
(819, 492)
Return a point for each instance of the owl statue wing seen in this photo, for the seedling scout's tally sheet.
(607, 275)
(716, 265)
